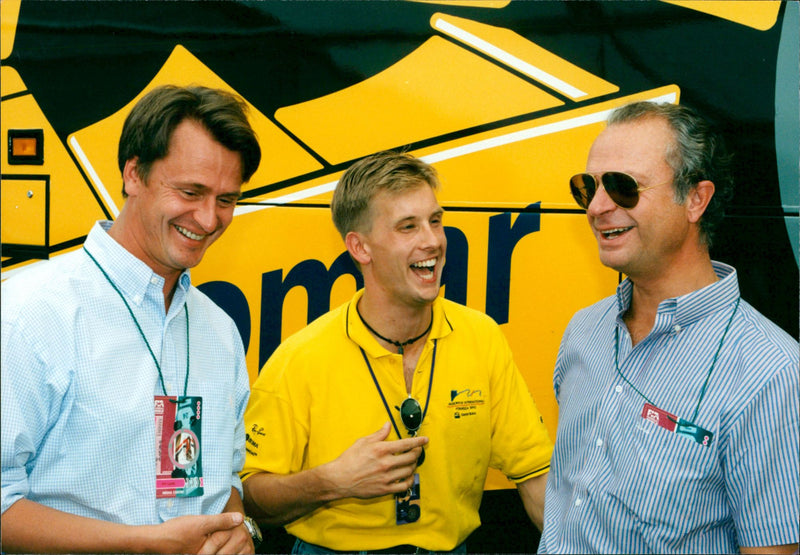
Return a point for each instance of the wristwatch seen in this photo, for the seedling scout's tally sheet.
(254, 530)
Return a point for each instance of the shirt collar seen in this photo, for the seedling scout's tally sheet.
(131, 275)
(693, 306)
(358, 332)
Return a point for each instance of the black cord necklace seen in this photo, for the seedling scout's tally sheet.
(398, 344)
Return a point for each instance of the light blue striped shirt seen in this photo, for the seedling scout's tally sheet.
(619, 483)
(78, 431)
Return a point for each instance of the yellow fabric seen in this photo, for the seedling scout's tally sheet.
(315, 397)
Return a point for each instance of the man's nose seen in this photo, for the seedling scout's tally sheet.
(206, 215)
(601, 203)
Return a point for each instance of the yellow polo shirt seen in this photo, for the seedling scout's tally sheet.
(315, 396)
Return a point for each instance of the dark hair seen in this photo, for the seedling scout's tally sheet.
(148, 128)
(390, 171)
(697, 154)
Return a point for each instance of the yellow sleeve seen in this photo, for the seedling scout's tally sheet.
(521, 446)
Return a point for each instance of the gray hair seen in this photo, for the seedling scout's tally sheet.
(697, 154)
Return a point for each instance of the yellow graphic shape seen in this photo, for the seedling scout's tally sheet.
(510, 167)
(96, 146)
(9, 13)
(517, 52)
(758, 14)
(439, 88)
(314, 191)
(72, 208)
(546, 152)
(10, 81)
(494, 4)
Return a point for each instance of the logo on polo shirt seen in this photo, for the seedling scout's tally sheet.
(465, 402)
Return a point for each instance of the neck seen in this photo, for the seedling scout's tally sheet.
(648, 293)
(119, 231)
(396, 329)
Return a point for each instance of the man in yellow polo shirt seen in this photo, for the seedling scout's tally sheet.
(373, 428)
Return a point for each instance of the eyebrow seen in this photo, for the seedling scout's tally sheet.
(438, 212)
(236, 195)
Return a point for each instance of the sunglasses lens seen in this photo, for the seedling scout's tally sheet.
(411, 414)
(622, 188)
(582, 187)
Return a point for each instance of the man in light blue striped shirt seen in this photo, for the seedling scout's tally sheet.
(110, 347)
(678, 401)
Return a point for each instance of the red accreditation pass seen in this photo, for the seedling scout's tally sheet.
(659, 417)
(179, 468)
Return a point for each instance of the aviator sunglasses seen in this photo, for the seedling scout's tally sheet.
(622, 188)
(411, 415)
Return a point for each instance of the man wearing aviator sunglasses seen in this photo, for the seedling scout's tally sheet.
(438, 374)
(678, 401)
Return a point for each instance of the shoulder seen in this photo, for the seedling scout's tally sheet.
(586, 320)
(757, 330)
(762, 350)
(45, 287)
(459, 315)
(326, 334)
(203, 305)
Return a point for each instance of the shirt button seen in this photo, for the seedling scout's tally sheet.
(599, 442)
(578, 502)
(618, 389)
(677, 328)
(154, 280)
(137, 299)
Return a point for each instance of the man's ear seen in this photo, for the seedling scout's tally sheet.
(698, 199)
(131, 181)
(358, 249)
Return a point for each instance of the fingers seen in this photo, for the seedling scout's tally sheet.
(405, 445)
(222, 521)
(381, 434)
(235, 540)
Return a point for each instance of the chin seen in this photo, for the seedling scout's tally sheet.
(614, 263)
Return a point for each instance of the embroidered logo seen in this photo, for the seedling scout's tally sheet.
(465, 402)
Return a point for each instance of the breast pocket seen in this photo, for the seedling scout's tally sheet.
(663, 471)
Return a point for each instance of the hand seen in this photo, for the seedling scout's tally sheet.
(193, 533)
(373, 467)
(234, 540)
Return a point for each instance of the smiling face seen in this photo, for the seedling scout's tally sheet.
(186, 204)
(646, 241)
(404, 251)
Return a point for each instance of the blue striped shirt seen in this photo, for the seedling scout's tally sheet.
(78, 427)
(619, 483)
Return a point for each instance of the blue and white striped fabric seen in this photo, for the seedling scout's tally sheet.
(619, 483)
(78, 385)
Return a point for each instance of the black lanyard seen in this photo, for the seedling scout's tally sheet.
(138, 327)
(383, 397)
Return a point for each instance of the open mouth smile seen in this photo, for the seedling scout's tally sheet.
(616, 232)
(425, 268)
(186, 233)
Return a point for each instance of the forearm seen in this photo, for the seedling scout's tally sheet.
(31, 527)
(532, 492)
(234, 503)
(785, 549)
(276, 499)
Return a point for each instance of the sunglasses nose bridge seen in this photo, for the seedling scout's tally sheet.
(602, 201)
